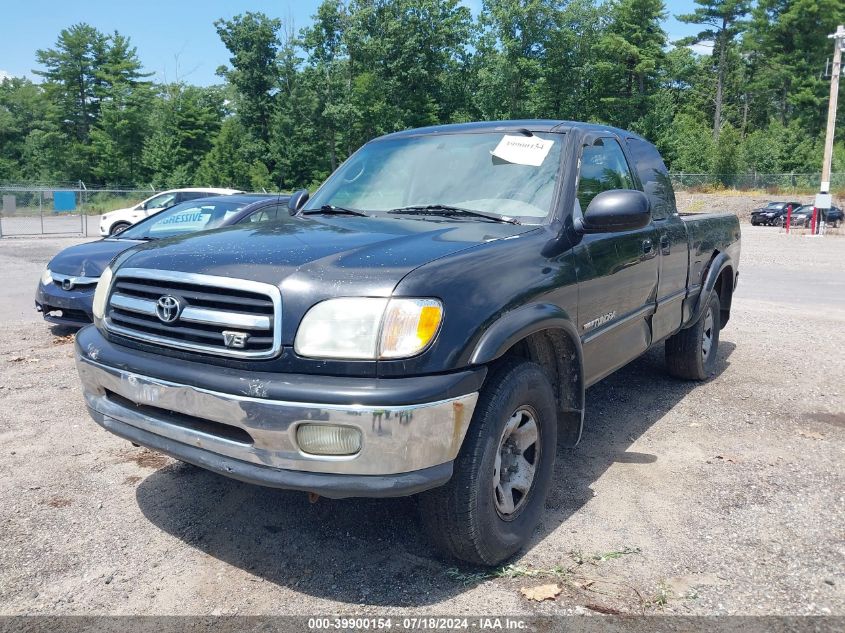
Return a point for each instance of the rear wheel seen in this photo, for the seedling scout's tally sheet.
(118, 227)
(691, 353)
(493, 502)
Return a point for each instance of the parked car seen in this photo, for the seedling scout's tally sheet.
(834, 217)
(773, 214)
(116, 221)
(66, 288)
(804, 216)
(426, 324)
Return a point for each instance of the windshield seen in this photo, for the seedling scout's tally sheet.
(507, 175)
(188, 217)
(775, 206)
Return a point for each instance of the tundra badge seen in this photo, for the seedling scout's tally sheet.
(604, 318)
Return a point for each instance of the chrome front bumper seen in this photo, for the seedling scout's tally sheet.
(396, 440)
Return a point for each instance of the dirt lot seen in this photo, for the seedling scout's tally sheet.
(726, 497)
(739, 202)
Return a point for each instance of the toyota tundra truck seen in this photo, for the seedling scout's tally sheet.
(425, 324)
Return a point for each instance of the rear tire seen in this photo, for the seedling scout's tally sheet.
(691, 353)
(490, 507)
(118, 227)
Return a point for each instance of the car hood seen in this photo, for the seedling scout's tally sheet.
(89, 260)
(319, 257)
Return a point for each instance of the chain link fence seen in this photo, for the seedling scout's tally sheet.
(60, 208)
(74, 209)
(774, 183)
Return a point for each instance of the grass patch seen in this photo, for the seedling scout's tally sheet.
(468, 577)
(662, 597)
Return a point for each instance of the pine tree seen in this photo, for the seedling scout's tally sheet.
(723, 21)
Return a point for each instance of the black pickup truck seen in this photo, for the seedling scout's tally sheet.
(426, 323)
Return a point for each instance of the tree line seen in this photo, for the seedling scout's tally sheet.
(291, 105)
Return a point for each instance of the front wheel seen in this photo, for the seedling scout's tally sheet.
(691, 353)
(118, 227)
(493, 502)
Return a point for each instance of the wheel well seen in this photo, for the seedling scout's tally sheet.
(724, 289)
(555, 352)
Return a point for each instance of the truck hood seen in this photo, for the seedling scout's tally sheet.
(331, 255)
(89, 260)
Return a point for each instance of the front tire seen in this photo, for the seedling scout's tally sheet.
(118, 227)
(691, 353)
(490, 507)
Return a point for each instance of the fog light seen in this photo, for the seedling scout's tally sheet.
(328, 439)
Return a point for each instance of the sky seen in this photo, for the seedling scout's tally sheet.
(176, 39)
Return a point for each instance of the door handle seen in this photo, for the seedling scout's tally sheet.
(665, 244)
(647, 246)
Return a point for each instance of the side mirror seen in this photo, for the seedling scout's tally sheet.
(297, 201)
(616, 210)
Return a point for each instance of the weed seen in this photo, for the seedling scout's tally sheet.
(662, 597)
(467, 578)
(616, 554)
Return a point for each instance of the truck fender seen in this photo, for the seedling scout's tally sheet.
(558, 350)
(714, 270)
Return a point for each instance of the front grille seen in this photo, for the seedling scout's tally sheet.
(203, 313)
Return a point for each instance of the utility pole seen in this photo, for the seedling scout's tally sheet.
(823, 201)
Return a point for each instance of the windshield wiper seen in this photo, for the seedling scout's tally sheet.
(448, 210)
(332, 209)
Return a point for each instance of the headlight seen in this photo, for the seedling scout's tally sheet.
(46, 277)
(368, 328)
(101, 293)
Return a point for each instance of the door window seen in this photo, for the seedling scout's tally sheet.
(162, 201)
(603, 167)
(655, 178)
(266, 214)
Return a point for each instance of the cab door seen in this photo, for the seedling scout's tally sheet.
(671, 238)
(617, 272)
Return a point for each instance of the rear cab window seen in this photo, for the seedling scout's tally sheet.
(654, 177)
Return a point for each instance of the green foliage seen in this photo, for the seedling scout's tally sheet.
(631, 54)
(253, 41)
(185, 120)
(727, 155)
(294, 105)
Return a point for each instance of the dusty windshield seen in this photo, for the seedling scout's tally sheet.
(509, 174)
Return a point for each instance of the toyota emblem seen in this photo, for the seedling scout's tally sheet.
(168, 308)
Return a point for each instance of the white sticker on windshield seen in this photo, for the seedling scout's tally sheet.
(523, 150)
(192, 220)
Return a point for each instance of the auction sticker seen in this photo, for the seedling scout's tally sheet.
(523, 150)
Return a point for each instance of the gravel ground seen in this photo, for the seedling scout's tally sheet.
(726, 497)
(740, 202)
